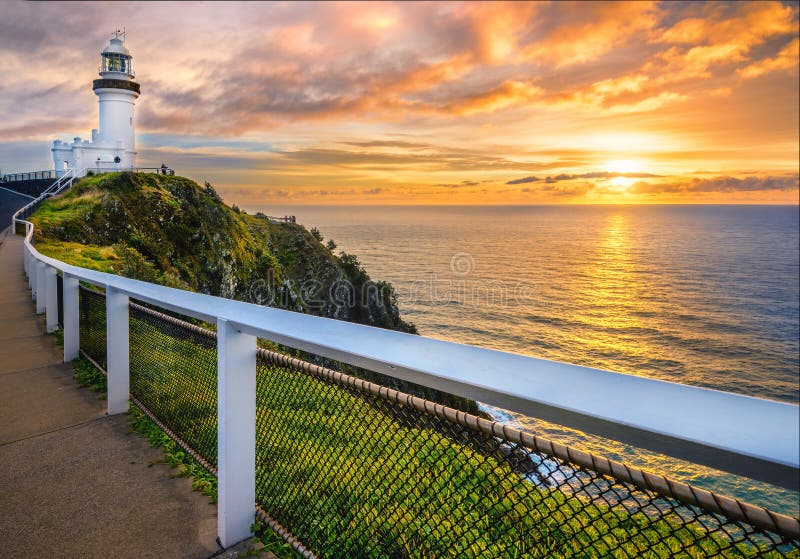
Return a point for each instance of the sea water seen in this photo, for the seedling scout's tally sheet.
(701, 295)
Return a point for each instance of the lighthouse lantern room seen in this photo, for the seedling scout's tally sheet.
(112, 147)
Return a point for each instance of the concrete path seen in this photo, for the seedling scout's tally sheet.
(73, 481)
(10, 202)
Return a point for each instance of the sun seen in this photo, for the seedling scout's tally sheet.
(624, 166)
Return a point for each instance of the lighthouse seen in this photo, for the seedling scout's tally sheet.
(113, 143)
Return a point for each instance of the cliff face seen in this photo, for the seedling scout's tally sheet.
(170, 230)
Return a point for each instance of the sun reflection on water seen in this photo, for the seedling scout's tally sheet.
(615, 287)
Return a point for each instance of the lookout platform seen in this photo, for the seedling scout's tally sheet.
(76, 482)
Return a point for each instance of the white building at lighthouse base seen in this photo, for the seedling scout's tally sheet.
(97, 155)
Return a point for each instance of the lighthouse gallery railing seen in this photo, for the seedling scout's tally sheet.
(343, 467)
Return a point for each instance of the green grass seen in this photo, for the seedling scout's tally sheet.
(93, 257)
(272, 541)
(54, 211)
(88, 376)
(58, 334)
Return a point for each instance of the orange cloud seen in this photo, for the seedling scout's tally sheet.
(787, 58)
(624, 84)
(36, 128)
(507, 94)
(295, 39)
(721, 184)
(686, 31)
(424, 76)
(579, 32)
(750, 24)
(497, 28)
(724, 38)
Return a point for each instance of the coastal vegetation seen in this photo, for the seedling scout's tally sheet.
(170, 230)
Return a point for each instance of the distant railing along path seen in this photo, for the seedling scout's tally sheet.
(282, 220)
(32, 175)
(156, 170)
(30, 184)
(51, 174)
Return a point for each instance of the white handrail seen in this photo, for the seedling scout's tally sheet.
(751, 436)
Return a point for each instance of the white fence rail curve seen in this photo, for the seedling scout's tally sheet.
(745, 435)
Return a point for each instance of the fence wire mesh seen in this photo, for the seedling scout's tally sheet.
(174, 374)
(351, 469)
(93, 325)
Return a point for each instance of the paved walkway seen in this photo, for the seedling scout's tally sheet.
(73, 481)
(10, 202)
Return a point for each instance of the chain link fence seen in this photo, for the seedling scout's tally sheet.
(174, 374)
(92, 316)
(346, 468)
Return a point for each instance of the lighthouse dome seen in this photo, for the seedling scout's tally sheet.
(116, 46)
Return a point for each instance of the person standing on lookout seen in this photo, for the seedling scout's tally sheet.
(163, 169)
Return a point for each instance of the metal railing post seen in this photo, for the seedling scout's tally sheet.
(236, 438)
(117, 351)
(51, 298)
(32, 275)
(72, 332)
(41, 288)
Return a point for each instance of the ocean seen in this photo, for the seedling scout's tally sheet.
(701, 295)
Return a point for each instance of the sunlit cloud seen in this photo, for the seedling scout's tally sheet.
(580, 32)
(592, 175)
(507, 94)
(721, 184)
(786, 59)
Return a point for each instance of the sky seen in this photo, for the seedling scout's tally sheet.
(426, 103)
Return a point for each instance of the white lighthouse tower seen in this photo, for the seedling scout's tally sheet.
(113, 145)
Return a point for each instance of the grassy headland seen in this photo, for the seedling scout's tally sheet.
(172, 231)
